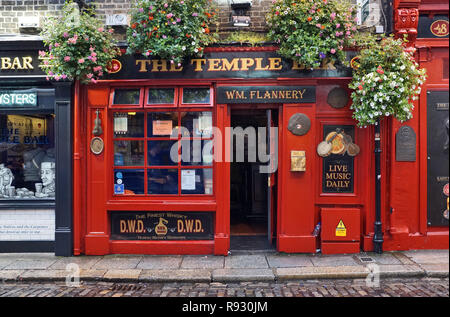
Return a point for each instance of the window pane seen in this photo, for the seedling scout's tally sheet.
(129, 125)
(161, 95)
(197, 181)
(129, 182)
(27, 156)
(196, 152)
(161, 124)
(159, 153)
(197, 124)
(196, 95)
(163, 181)
(129, 153)
(126, 96)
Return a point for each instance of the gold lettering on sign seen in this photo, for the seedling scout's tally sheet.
(338, 177)
(198, 63)
(9, 63)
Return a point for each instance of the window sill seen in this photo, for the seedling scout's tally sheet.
(28, 204)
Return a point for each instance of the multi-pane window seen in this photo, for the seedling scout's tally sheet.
(166, 147)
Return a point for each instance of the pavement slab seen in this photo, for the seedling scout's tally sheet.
(428, 256)
(203, 262)
(81, 261)
(30, 264)
(155, 262)
(288, 260)
(333, 260)
(436, 270)
(246, 274)
(44, 275)
(254, 261)
(111, 262)
(8, 275)
(354, 271)
(196, 276)
(122, 275)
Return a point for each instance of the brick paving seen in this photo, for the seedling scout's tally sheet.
(423, 287)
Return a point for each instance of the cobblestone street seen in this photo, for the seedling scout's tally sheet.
(424, 287)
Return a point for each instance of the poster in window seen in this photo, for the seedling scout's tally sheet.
(162, 127)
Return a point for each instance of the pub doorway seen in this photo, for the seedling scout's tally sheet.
(252, 192)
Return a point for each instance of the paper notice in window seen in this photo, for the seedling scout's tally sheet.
(188, 180)
(162, 127)
(121, 125)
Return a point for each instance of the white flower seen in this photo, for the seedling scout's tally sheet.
(402, 67)
(183, 48)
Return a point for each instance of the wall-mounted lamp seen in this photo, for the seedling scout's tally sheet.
(239, 15)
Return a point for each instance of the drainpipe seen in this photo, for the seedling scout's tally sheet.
(378, 236)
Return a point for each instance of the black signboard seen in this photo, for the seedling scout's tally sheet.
(162, 225)
(435, 27)
(438, 157)
(338, 167)
(266, 94)
(20, 63)
(405, 144)
(253, 64)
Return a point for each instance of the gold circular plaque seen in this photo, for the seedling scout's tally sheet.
(97, 145)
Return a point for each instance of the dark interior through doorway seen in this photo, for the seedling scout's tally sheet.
(249, 188)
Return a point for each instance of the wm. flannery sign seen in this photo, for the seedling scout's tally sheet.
(266, 94)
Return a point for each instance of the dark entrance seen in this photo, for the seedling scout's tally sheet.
(252, 205)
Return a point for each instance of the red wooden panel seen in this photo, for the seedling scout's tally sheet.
(333, 218)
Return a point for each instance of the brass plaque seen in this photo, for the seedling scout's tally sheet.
(298, 161)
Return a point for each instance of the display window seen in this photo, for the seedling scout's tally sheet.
(27, 144)
(164, 149)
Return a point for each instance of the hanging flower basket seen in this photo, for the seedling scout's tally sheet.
(386, 81)
(79, 47)
(171, 29)
(310, 32)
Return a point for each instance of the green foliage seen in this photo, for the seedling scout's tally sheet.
(79, 47)
(310, 31)
(251, 38)
(171, 29)
(386, 81)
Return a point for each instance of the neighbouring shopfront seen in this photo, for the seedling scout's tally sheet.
(35, 153)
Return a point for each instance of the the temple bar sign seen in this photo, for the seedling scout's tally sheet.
(264, 94)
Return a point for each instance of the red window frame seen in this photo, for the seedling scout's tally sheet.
(147, 108)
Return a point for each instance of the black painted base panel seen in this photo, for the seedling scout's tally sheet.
(26, 246)
(251, 243)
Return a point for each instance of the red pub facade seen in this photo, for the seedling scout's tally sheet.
(128, 197)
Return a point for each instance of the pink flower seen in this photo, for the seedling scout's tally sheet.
(111, 31)
(63, 76)
(333, 16)
(81, 60)
(97, 68)
(67, 58)
(93, 80)
(169, 15)
(93, 54)
(338, 26)
(89, 75)
(165, 5)
(65, 34)
(194, 14)
(57, 45)
(45, 62)
(332, 51)
(100, 29)
(141, 9)
(41, 53)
